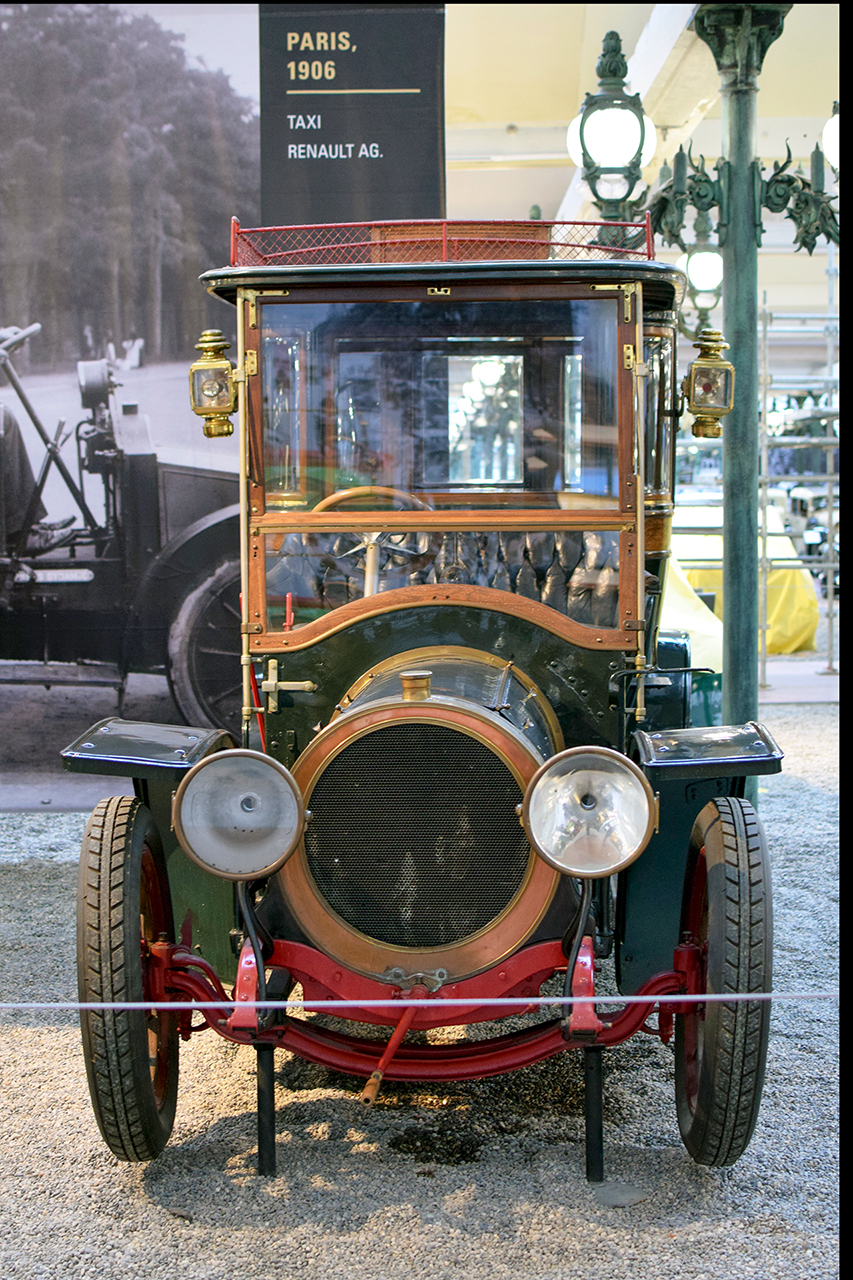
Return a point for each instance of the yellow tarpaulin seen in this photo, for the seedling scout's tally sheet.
(792, 608)
(682, 610)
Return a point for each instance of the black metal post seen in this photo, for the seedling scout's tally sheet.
(265, 1054)
(593, 1077)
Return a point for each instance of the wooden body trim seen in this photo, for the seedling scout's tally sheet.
(454, 595)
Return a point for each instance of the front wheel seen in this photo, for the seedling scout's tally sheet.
(123, 905)
(721, 1047)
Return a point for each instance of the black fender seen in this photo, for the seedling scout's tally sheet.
(193, 554)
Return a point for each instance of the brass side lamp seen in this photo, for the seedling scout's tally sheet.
(213, 394)
(709, 384)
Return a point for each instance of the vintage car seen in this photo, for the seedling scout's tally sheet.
(466, 771)
(147, 572)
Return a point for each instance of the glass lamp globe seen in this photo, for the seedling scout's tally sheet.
(650, 141)
(612, 186)
(612, 136)
(573, 141)
(704, 270)
(829, 140)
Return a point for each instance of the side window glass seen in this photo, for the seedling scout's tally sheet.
(283, 412)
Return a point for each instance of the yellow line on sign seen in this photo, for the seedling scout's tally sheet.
(340, 91)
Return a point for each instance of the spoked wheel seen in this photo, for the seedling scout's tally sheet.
(204, 652)
(721, 1048)
(123, 904)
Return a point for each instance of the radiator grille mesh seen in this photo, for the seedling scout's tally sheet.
(414, 839)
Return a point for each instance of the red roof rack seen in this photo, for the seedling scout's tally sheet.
(338, 244)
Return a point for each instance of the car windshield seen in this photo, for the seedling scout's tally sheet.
(464, 404)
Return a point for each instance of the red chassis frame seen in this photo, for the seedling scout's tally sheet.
(173, 972)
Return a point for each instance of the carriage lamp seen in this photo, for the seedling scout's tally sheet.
(589, 812)
(709, 385)
(213, 394)
(238, 814)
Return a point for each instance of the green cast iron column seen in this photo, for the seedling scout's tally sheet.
(738, 36)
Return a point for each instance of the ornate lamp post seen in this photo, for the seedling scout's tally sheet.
(739, 36)
(612, 138)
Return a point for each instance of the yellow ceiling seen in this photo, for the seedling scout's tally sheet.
(532, 64)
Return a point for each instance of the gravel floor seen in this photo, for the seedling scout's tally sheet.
(482, 1179)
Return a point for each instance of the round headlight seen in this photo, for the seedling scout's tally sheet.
(239, 814)
(589, 812)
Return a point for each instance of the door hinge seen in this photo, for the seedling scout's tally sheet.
(628, 291)
(251, 363)
(628, 356)
(251, 296)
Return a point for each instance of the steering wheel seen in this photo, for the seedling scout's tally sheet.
(371, 491)
(393, 545)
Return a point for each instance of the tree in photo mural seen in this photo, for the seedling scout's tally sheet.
(120, 168)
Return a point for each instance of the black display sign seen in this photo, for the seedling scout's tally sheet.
(352, 112)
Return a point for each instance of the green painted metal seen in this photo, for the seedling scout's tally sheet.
(574, 680)
(203, 904)
(156, 757)
(649, 896)
(130, 749)
(739, 36)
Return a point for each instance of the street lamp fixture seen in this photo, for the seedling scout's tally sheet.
(612, 138)
(702, 263)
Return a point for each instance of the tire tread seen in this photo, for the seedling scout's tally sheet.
(732, 1075)
(107, 928)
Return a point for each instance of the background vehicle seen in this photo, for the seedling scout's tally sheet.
(820, 536)
(153, 556)
(466, 768)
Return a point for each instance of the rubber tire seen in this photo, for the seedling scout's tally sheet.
(721, 1049)
(122, 899)
(204, 652)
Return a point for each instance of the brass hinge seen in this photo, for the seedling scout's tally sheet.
(251, 296)
(434, 291)
(251, 363)
(628, 356)
(628, 291)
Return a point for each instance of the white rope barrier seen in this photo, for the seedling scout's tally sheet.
(333, 1006)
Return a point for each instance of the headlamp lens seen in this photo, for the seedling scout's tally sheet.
(239, 814)
(589, 812)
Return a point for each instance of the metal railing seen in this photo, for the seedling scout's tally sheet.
(337, 244)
